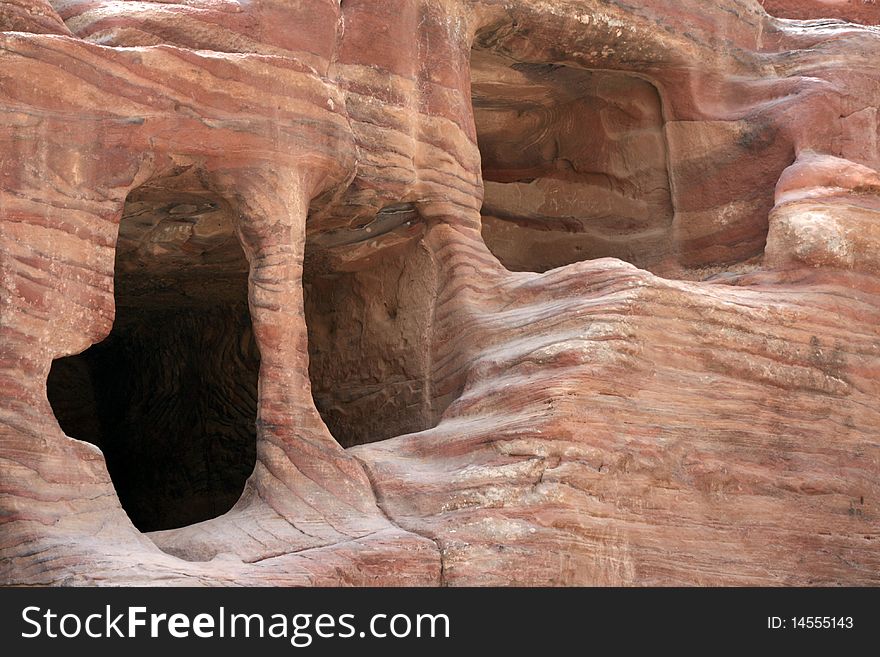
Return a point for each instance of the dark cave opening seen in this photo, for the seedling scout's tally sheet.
(170, 396)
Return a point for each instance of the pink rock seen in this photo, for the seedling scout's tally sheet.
(438, 293)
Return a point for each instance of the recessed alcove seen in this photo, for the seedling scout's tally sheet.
(369, 295)
(574, 164)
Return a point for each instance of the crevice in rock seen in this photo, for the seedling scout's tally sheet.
(380, 504)
(170, 396)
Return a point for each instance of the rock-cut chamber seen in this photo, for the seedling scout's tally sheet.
(170, 396)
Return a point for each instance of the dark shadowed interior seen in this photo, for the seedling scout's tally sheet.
(170, 396)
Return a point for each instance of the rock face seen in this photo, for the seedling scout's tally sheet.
(439, 292)
(866, 12)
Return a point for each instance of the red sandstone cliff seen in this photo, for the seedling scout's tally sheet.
(468, 291)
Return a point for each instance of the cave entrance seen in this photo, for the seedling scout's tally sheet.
(170, 396)
(574, 164)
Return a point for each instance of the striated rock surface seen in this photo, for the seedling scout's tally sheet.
(866, 12)
(439, 292)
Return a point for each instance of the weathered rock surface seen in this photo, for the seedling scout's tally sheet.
(856, 11)
(475, 292)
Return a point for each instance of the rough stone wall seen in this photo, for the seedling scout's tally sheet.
(704, 414)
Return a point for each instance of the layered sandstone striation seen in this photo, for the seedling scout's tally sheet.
(866, 12)
(438, 292)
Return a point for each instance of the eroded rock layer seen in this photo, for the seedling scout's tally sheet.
(856, 11)
(470, 292)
